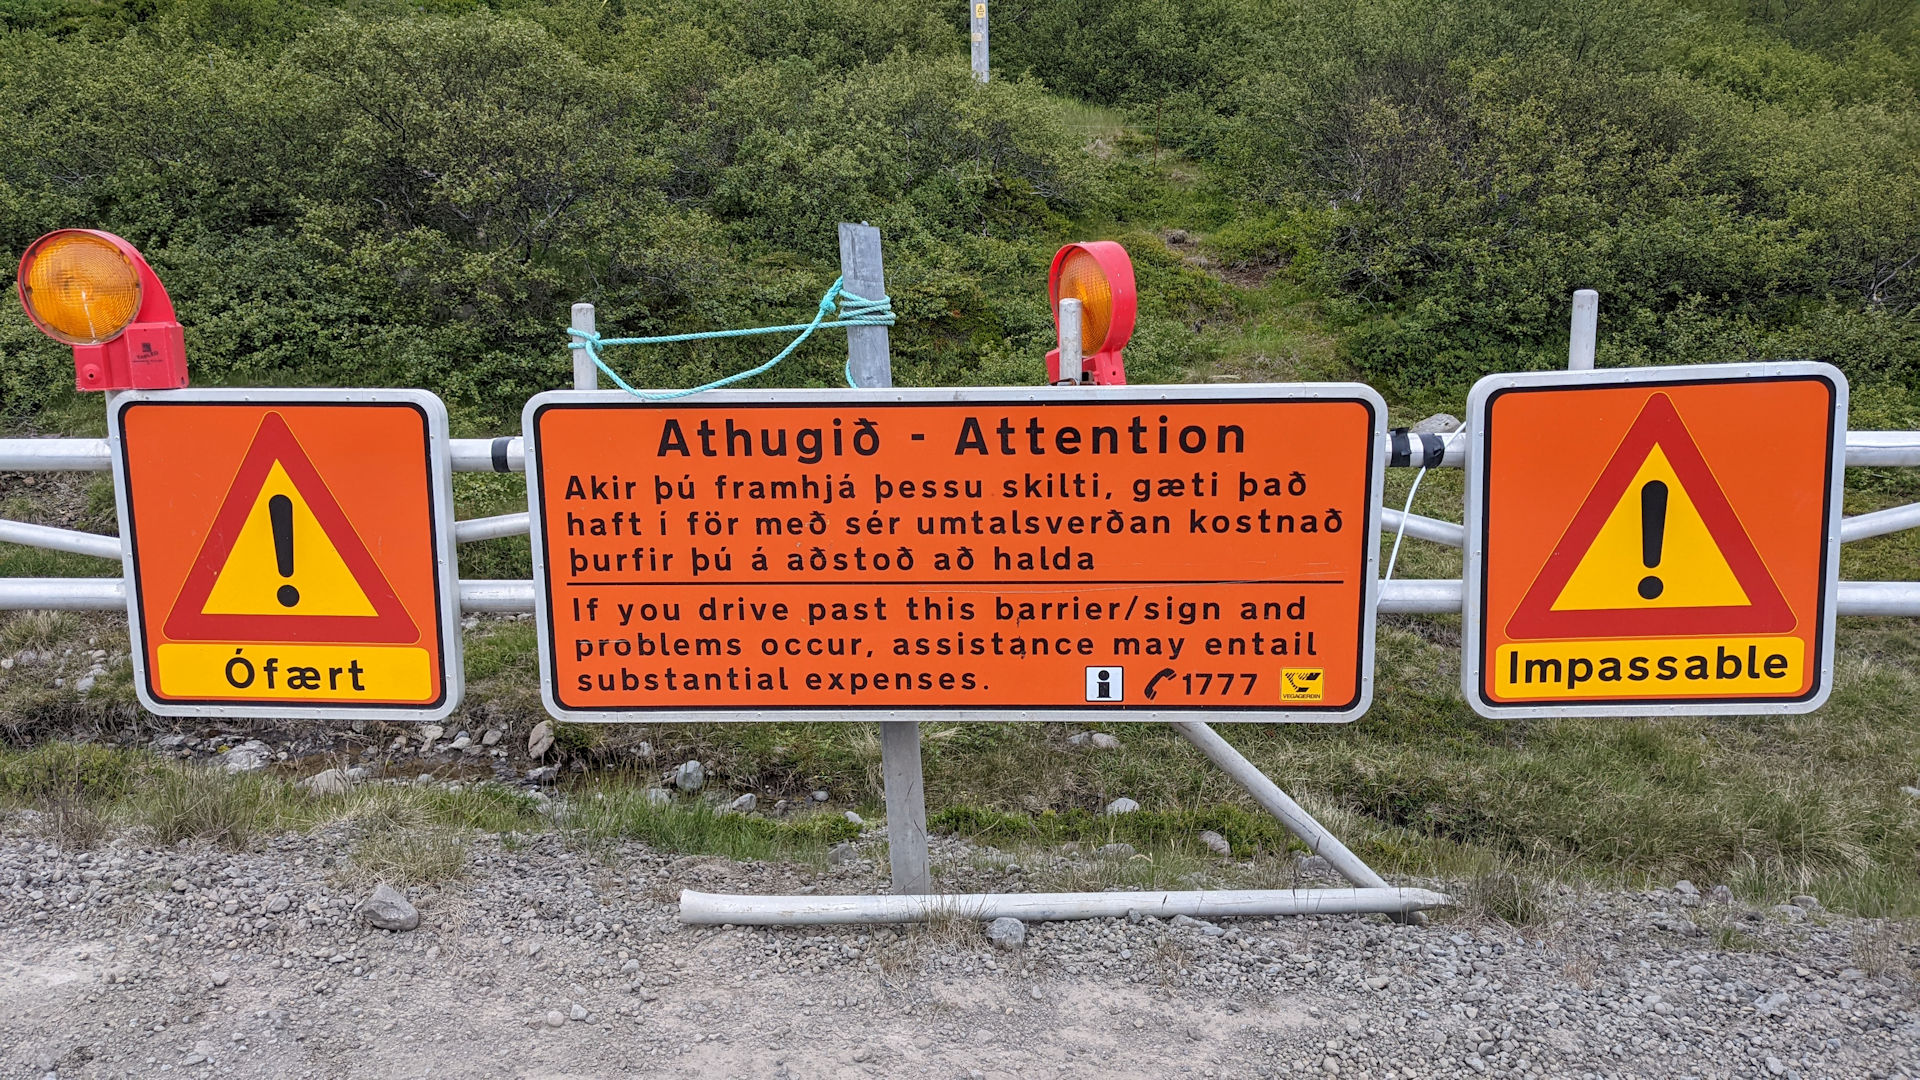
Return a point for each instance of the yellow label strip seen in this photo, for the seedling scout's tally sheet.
(316, 674)
(1652, 668)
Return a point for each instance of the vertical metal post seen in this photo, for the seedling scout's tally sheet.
(979, 22)
(1071, 358)
(906, 807)
(870, 361)
(585, 375)
(1586, 325)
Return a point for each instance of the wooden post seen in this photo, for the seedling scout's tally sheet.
(871, 363)
(862, 275)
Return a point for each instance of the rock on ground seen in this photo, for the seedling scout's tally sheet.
(330, 782)
(387, 909)
(540, 740)
(1007, 933)
(249, 756)
(691, 776)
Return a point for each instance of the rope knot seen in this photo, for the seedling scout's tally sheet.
(852, 310)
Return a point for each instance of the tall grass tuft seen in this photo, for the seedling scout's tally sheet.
(204, 804)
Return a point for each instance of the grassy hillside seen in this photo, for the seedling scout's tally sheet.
(369, 191)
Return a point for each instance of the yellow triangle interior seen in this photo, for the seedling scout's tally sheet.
(250, 582)
(1692, 570)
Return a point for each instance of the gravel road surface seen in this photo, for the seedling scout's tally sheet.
(551, 961)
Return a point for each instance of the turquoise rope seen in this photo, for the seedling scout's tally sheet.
(852, 310)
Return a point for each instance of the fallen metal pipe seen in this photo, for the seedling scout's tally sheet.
(54, 539)
(713, 909)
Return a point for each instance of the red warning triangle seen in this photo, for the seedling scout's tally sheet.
(1655, 551)
(283, 563)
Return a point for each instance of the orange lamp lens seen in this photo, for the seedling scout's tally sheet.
(1082, 279)
(79, 288)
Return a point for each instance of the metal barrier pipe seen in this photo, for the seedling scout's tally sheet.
(490, 528)
(1880, 522)
(1858, 527)
(505, 454)
(1421, 596)
(508, 453)
(506, 596)
(1421, 527)
(713, 909)
(62, 594)
(54, 539)
(499, 597)
(54, 455)
(1880, 598)
(1869, 448)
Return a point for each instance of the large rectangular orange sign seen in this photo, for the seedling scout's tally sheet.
(1002, 554)
(289, 552)
(1677, 552)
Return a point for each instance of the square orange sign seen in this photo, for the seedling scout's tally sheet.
(1653, 541)
(289, 553)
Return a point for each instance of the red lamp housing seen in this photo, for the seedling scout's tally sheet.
(1099, 274)
(94, 291)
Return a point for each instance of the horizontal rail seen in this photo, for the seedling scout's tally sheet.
(1421, 596)
(55, 539)
(1880, 523)
(504, 454)
(496, 597)
(1423, 528)
(508, 453)
(490, 528)
(712, 909)
(62, 594)
(471, 530)
(1417, 596)
(54, 455)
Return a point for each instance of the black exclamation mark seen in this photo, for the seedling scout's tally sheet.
(1653, 532)
(280, 514)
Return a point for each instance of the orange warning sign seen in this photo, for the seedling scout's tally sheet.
(289, 553)
(994, 552)
(1660, 552)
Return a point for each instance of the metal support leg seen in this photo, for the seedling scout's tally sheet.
(1281, 805)
(1291, 814)
(906, 806)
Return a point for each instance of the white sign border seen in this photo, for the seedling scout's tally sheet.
(1480, 400)
(446, 560)
(1303, 392)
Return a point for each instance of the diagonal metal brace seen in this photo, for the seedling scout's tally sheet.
(1291, 814)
